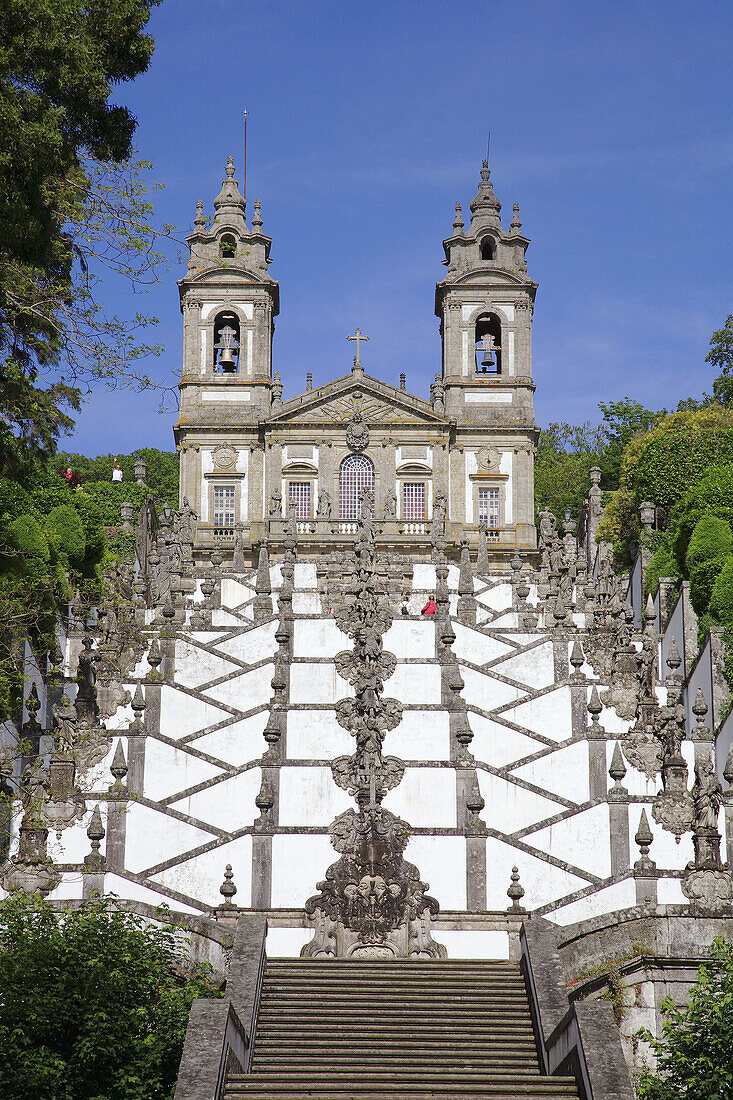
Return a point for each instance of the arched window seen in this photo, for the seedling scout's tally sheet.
(227, 247)
(226, 343)
(488, 248)
(488, 344)
(356, 473)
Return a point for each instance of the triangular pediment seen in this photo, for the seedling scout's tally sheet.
(335, 403)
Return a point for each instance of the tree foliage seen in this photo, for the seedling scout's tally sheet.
(56, 540)
(565, 455)
(94, 1002)
(695, 1056)
(710, 544)
(72, 203)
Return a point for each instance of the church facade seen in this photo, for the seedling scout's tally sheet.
(256, 462)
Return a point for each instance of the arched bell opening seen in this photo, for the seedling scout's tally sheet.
(487, 344)
(488, 248)
(227, 247)
(226, 343)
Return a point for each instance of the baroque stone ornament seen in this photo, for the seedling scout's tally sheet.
(372, 902)
(225, 457)
(372, 890)
(357, 431)
(708, 888)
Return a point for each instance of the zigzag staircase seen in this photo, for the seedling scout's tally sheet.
(374, 1030)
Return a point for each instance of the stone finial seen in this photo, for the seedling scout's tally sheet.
(308, 381)
(118, 767)
(230, 167)
(265, 800)
(127, 513)
(650, 613)
(595, 476)
(644, 838)
(228, 889)
(154, 654)
(617, 770)
(674, 660)
(516, 893)
(138, 706)
(95, 860)
(475, 801)
(577, 659)
(594, 709)
(257, 219)
(560, 611)
(647, 515)
(515, 224)
(199, 221)
(403, 381)
(458, 222)
(699, 707)
(141, 471)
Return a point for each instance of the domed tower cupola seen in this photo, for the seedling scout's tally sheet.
(229, 204)
(485, 207)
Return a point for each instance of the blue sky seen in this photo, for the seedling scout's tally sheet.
(611, 125)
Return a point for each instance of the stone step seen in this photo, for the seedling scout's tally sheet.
(438, 1031)
(437, 1042)
(320, 1017)
(518, 1086)
(419, 1063)
(377, 966)
(392, 989)
(339, 1002)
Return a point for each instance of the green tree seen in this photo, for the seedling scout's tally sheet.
(565, 455)
(94, 1002)
(695, 1056)
(721, 356)
(622, 421)
(72, 203)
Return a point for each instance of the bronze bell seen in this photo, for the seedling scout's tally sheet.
(226, 361)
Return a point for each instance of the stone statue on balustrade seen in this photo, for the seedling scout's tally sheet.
(184, 522)
(325, 505)
(276, 504)
(390, 506)
(239, 563)
(551, 548)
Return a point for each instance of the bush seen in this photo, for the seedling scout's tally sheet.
(94, 1003)
(28, 539)
(721, 598)
(65, 532)
(711, 542)
(712, 495)
(679, 453)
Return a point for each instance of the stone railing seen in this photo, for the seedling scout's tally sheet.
(219, 1033)
(577, 1038)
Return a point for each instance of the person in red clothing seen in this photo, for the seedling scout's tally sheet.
(430, 607)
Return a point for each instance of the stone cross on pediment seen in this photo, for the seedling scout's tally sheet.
(358, 336)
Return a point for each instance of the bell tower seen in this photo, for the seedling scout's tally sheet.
(229, 304)
(485, 304)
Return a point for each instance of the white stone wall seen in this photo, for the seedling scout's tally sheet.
(199, 770)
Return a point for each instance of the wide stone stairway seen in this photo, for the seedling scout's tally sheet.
(375, 1029)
